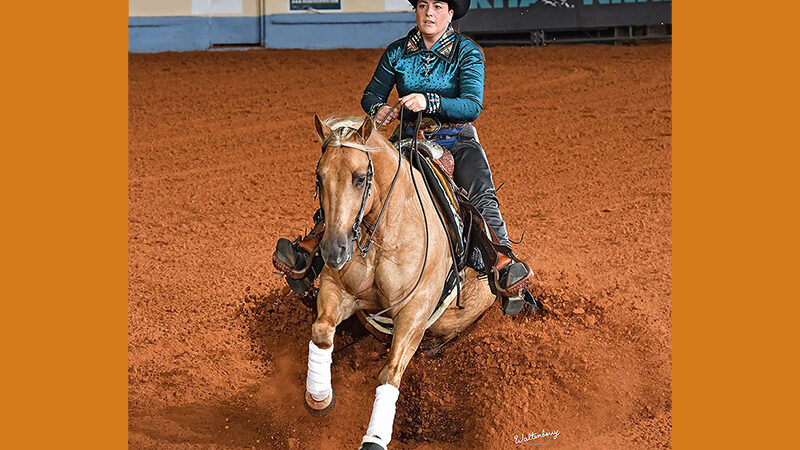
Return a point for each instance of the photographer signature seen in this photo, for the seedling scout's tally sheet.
(532, 436)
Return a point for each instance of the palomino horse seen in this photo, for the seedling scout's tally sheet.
(390, 269)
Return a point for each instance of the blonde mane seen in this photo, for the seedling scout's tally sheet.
(344, 130)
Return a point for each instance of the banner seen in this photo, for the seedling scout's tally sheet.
(529, 15)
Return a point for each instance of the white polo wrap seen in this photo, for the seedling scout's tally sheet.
(380, 424)
(318, 379)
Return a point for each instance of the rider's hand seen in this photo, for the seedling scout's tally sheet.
(381, 114)
(415, 102)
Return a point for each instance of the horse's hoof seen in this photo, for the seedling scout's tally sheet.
(322, 408)
(371, 443)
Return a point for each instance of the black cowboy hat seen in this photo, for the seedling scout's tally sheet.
(459, 7)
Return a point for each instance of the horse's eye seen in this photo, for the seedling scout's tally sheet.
(359, 179)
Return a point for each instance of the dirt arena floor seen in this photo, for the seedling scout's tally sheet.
(222, 154)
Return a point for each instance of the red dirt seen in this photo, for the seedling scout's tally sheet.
(222, 153)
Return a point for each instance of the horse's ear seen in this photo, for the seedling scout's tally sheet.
(322, 130)
(366, 129)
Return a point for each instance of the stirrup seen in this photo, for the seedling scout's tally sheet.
(513, 305)
(300, 268)
(511, 279)
(288, 260)
(511, 284)
(295, 259)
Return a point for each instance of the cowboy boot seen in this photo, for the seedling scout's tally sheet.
(512, 284)
(511, 275)
(300, 260)
(510, 279)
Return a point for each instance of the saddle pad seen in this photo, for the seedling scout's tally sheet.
(446, 200)
(386, 325)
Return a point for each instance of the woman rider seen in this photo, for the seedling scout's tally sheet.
(441, 73)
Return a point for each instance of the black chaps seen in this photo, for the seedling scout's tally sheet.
(473, 174)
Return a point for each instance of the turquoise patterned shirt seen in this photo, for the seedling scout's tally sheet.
(450, 75)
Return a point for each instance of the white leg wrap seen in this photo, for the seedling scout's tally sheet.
(318, 379)
(380, 424)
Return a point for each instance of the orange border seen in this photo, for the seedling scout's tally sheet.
(734, 160)
(64, 324)
(64, 321)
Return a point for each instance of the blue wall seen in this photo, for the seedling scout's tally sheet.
(318, 31)
(377, 30)
(309, 31)
(162, 34)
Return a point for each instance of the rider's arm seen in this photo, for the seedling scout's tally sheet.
(380, 85)
(469, 104)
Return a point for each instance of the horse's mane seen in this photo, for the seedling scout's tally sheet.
(344, 130)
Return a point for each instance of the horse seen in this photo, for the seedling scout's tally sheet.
(355, 175)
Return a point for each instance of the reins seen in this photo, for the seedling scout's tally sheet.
(412, 154)
(413, 157)
(367, 244)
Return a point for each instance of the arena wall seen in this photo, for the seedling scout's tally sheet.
(185, 25)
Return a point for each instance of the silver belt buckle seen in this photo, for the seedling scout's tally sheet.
(430, 126)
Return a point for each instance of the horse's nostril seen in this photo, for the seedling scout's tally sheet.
(335, 253)
(341, 253)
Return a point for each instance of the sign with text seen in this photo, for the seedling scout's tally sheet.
(299, 5)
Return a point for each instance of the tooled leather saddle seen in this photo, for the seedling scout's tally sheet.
(465, 225)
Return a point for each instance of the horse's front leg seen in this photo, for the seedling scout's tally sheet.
(333, 306)
(408, 331)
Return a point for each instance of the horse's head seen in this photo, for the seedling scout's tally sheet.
(343, 176)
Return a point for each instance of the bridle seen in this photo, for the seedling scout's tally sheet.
(367, 190)
(364, 196)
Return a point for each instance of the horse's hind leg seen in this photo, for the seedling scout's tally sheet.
(333, 306)
(408, 334)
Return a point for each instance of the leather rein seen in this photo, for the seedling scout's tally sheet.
(367, 190)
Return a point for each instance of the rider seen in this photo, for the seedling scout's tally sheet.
(441, 73)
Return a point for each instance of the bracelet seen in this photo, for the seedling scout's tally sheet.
(433, 102)
(374, 110)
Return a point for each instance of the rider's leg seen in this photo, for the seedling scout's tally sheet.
(472, 173)
(290, 257)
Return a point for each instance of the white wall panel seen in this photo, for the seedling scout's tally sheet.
(177, 8)
(214, 7)
(397, 5)
(152, 8)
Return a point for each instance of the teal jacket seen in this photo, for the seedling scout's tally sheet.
(450, 74)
